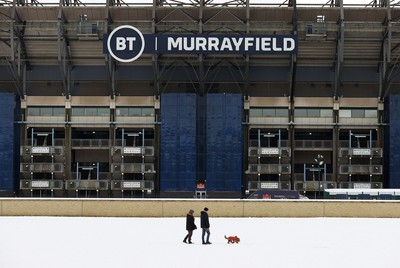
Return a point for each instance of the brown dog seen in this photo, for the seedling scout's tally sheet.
(232, 239)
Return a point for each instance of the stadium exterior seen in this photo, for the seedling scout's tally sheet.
(315, 109)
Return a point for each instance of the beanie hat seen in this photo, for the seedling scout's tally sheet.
(205, 209)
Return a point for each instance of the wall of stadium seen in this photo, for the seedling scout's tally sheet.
(179, 208)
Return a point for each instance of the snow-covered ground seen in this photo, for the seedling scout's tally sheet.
(30, 242)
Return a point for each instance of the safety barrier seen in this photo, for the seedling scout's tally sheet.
(179, 208)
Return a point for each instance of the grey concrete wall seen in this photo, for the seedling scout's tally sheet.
(179, 208)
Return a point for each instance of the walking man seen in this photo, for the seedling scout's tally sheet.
(205, 225)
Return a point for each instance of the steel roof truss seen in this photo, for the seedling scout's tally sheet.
(64, 57)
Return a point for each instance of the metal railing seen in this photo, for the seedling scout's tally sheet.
(268, 169)
(41, 167)
(134, 150)
(42, 150)
(273, 185)
(361, 169)
(41, 184)
(90, 143)
(132, 185)
(133, 168)
(361, 185)
(314, 144)
(314, 185)
(269, 152)
(86, 184)
(360, 152)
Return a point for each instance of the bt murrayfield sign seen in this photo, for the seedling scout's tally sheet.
(126, 43)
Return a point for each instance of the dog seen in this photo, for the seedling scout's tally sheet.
(232, 239)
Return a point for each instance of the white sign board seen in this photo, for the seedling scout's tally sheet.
(269, 185)
(131, 184)
(362, 186)
(361, 151)
(132, 150)
(40, 150)
(269, 150)
(40, 184)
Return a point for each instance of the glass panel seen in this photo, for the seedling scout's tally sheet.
(345, 113)
(268, 112)
(58, 111)
(135, 112)
(371, 113)
(281, 112)
(91, 111)
(313, 113)
(326, 113)
(33, 111)
(103, 111)
(300, 112)
(255, 112)
(147, 112)
(78, 111)
(355, 113)
(46, 111)
(122, 112)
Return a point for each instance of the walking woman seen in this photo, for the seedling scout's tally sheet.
(190, 226)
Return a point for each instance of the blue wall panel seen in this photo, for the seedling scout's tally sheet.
(178, 142)
(224, 142)
(392, 140)
(8, 159)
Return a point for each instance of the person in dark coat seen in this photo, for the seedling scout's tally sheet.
(190, 226)
(205, 225)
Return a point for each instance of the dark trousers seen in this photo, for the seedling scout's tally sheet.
(188, 236)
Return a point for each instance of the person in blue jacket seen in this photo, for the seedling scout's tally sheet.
(205, 225)
(190, 227)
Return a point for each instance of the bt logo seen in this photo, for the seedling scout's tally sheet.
(125, 43)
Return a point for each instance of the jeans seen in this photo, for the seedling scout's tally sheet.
(205, 230)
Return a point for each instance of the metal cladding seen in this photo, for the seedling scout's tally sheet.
(7, 141)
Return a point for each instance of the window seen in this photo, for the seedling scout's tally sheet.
(90, 111)
(34, 111)
(345, 113)
(268, 112)
(58, 111)
(326, 113)
(371, 114)
(46, 111)
(256, 112)
(78, 111)
(281, 112)
(135, 111)
(300, 112)
(103, 112)
(358, 113)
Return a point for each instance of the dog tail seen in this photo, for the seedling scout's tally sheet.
(225, 237)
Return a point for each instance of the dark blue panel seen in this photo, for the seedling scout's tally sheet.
(8, 159)
(392, 134)
(224, 142)
(178, 142)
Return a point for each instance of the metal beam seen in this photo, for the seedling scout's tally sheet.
(154, 57)
(109, 61)
(293, 58)
(18, 63)
(338, 65)
(64, 57)
(385, 55)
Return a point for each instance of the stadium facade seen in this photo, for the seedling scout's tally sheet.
(168, 98)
